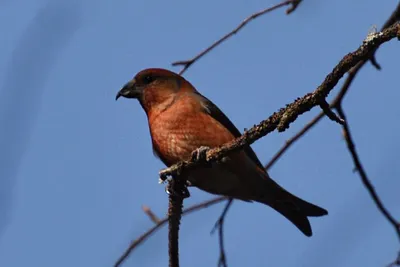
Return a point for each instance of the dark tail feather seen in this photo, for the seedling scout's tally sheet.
(307, 208)
(297, 212)
(295, 209)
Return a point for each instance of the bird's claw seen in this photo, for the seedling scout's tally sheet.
(164, 176)
(200, 154)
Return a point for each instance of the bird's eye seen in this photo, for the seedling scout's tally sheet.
(148, 79)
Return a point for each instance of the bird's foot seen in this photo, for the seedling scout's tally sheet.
(163, 177)
(200, 154)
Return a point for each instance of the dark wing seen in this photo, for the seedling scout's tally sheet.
(217, 114)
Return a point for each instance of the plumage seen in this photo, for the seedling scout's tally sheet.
(181, 120)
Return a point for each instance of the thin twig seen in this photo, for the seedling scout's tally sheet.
(293, 139)
(220, 226)
(162, 222)
(351, 75)
(395, 16)
(187, 63)
(364, 178)
(151, 214)
(329, 113)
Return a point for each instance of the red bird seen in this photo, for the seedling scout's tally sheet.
(181, 120)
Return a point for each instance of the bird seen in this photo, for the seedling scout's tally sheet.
(182, 120)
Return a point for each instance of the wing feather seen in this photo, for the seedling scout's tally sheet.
(217, 114)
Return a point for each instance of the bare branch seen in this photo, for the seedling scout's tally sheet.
(375, 63)
(187, 63)
(349, 80)
(284, 117)
(363, 174)
(392, 19)
(176, 186)
(351, 75)
(163, 221)
(365, 180)
(290, 141)
(151, 214)
(329, 113)
(220, 226)
(336, 103)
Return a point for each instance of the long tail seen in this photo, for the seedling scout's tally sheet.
(293, 208)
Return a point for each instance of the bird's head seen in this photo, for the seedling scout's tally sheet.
(155, 88)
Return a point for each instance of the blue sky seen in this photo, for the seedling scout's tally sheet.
(76, 166)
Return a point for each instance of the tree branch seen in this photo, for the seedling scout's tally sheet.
(337, 103)
(394, 17)
(364, 178)
(151, 214)
(176, 186)
(284, 117)
(162, 222)
(187, 63)
(349, 80)
(329, 113)
(220, 226)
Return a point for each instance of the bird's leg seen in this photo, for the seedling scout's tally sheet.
(200, 154)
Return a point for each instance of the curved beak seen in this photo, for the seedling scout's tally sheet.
(129, 90)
